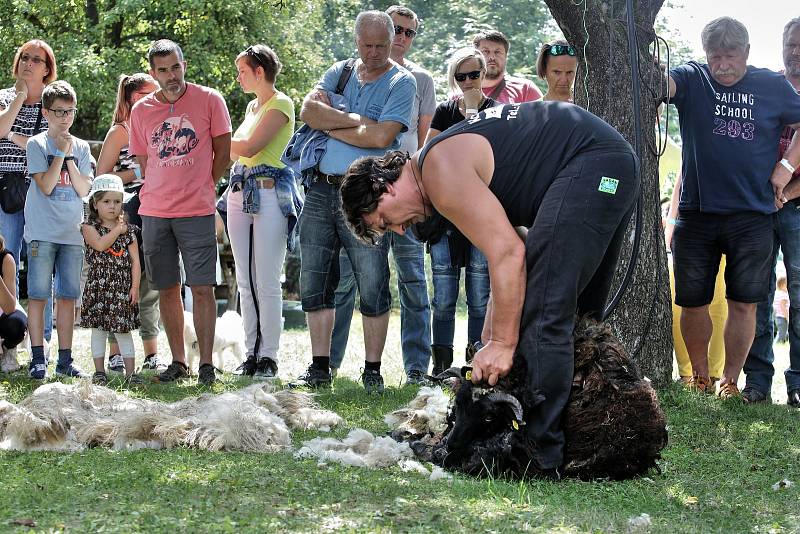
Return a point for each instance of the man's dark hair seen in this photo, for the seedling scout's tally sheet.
(404, 12)
(162, 48)
(491, 35)
(58, 90)
(363, 185)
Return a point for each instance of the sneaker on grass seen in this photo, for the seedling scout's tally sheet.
(37, 369)
(372, 380)
(133, 380)
(152, 363)
(99, 378)
(69, 369)
(248, 367)
(266, 368)
(207, 374)
(116, 364)
(174, 372)
(417, 377)
(314, 377)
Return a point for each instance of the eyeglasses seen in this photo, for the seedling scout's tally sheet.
(36, 60)
(408, 31)
(560, 50)
(462, 76)
(61, 113)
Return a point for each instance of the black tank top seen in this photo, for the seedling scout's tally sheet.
(532, 142)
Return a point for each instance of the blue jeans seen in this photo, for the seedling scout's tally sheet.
(323, 232)
(46, 258)
(758, 367)
(415, 311)
(446, 280)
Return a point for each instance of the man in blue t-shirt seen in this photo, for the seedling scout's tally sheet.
(731, 117)
(758, 367)
(379, 95)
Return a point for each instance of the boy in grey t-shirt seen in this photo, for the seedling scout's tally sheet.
(60, 167)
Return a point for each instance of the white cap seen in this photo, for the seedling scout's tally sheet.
(108, 182)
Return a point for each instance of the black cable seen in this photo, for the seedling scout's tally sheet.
(637, 121)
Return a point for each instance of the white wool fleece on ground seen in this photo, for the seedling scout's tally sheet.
(358, 449)
(60, 416)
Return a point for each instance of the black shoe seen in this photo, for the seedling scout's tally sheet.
(266, 368)
(314, 377)
(442, 358)
(174, 372)
(794, 398)
(416, 377)
(248, 367)
(207, 374)
(100, 378)
(372, 380)
(472, 348)
(751, 395)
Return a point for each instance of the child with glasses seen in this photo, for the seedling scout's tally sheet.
(60, 166)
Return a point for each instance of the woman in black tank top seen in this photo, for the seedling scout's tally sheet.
(549, 166)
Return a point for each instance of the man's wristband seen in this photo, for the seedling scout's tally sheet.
(137, 172)
(672, 221)
(59, 154)
(69, 158)
(787, 165)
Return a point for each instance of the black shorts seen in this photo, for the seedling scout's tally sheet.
(699, 241)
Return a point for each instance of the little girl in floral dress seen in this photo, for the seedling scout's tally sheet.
(111, 294)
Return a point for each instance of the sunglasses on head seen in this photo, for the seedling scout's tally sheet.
(462, 76)
(408, 31)
(560, 50)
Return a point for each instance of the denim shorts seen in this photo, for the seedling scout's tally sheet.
(45, 258)
(324, 234)
(193, 237)
(698, 243)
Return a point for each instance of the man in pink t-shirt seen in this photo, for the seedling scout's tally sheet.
(181, 135)
(498, 84)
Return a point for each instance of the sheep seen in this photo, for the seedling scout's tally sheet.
(228, 340)
(74, 416)
(613, 425)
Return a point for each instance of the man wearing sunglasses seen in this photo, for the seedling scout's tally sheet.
(498, 84)
(408, 252)
(379, 95)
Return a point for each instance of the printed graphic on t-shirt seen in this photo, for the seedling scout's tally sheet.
(174, 140)
(63, 176)
(733, 115)
(511, 112)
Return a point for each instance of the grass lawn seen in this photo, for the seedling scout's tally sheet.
(716, 476)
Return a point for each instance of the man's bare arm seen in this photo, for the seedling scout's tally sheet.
(318, 113)
(375, 135)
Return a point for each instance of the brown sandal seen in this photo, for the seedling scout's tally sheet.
(729, 391)
(701, 384)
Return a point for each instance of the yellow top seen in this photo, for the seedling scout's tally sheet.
(669, 166)
(270, 154)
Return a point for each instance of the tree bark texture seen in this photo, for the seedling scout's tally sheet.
(598, 29)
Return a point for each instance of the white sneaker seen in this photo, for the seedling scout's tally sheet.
(8, 361)
(116, 364)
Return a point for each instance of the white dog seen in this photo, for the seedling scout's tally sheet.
(228, 334)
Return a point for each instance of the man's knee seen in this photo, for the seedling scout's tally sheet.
(738, 309)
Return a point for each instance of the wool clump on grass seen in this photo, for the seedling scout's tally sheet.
(359, 449)
(60, 416)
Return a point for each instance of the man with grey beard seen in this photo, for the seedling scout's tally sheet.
(732, 116)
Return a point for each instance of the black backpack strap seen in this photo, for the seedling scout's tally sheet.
(38, 127)
(498, 89)
(344, 77)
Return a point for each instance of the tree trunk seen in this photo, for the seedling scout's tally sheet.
(598, 29)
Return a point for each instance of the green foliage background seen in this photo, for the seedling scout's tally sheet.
(97, 40)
